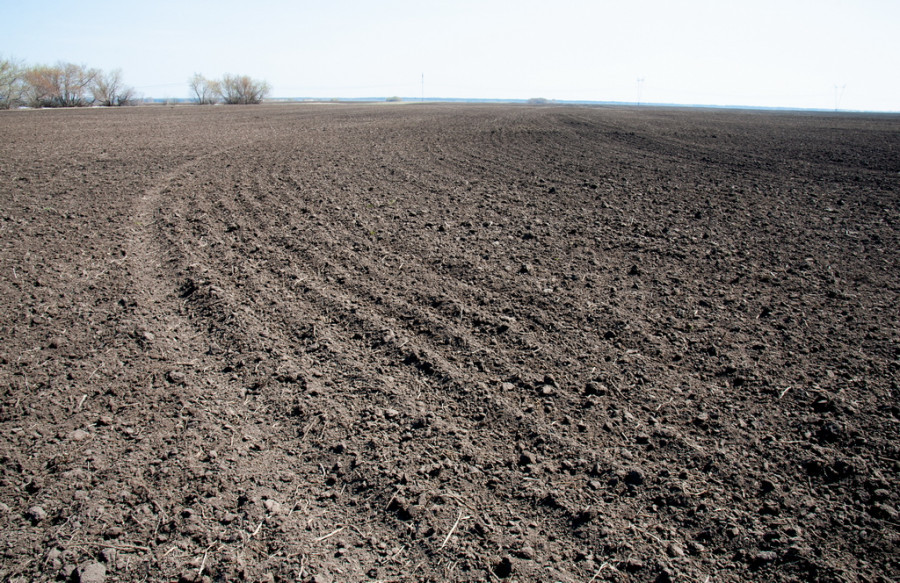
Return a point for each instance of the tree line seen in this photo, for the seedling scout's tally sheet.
(72, 85)
(60, 85)
(231, 89)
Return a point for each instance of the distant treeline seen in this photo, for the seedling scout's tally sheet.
(234, 89)
(72, 85)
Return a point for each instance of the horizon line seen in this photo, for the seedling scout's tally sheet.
(537, 101)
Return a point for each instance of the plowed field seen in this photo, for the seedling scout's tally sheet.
(449, 343)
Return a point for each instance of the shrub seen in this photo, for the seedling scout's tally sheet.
(109, 90)
(62, 85)
(204, 91)
(241, 89)
(232, 89)
(12, 83)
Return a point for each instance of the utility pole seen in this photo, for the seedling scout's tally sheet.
(837, 98)
(640, 87)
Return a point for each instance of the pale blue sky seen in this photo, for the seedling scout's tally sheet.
(789, 53)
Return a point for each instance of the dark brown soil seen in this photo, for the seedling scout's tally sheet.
(449, 343)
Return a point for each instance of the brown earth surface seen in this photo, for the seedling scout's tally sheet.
(449, 343)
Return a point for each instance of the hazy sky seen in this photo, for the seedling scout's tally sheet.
(789, 53)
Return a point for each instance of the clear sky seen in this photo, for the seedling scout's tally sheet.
(790, 53)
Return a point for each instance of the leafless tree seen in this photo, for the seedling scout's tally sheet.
(62, 85)
(12, 83)
(203, 90)
(241, 89)
(109, 90)
(41, 84)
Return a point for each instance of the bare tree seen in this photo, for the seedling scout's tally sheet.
(12, 83)
(241, 89)
(109, 90)
(203, 90)
(62, 85)
(75, 84)
(41, 83)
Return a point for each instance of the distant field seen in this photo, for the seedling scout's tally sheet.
(449, 343)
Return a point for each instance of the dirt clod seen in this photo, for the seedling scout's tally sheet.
(635, 477)
(91, 573)
(176, 377)
(36, 514)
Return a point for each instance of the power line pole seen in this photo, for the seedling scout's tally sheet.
(640, 87)
(837, 98)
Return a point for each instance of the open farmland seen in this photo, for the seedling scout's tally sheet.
(441, 342)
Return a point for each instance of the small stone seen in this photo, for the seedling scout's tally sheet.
(148, 336)
(314, 387)
(289, 375)
(547, 391)
(526, 552)
(391, 413)
(229, 517)
(79, 435)
(36, 514)
(526, 268)
(765, 557)
(54, 558)
(91, 573)
(527, 459)
(675, 550)
(175, 377)
(273, 506)
(109, 555)
(56, 342)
